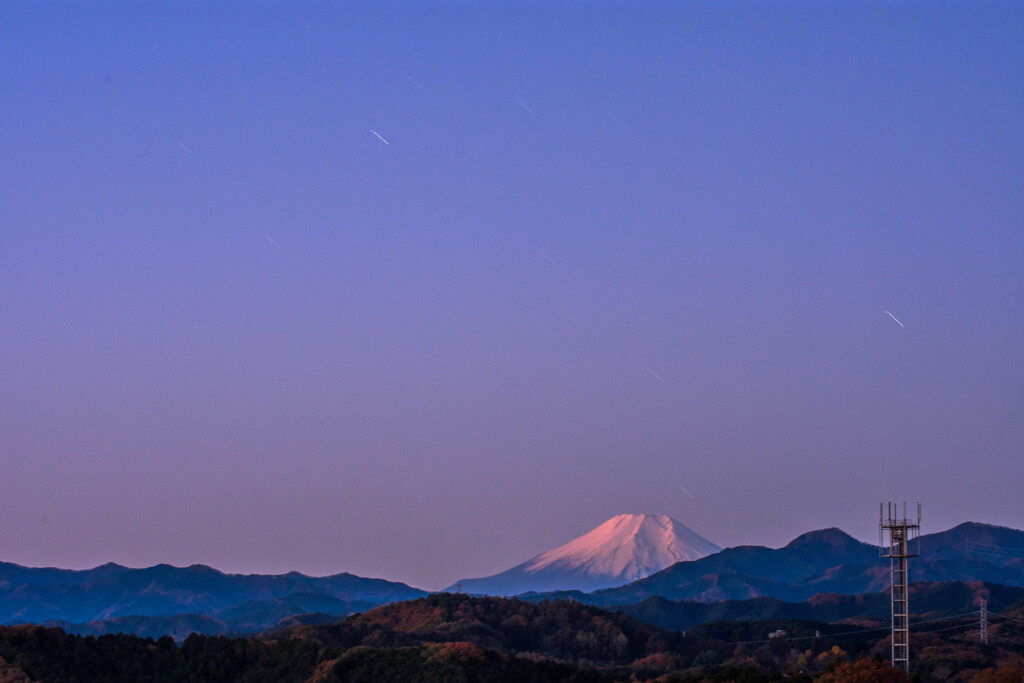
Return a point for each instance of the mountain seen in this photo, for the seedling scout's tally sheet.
(749, 571)
(829, 561)
(623, 549)
(246, 618)
(997, 544)
(177, 600)
(15, 574)
(177, 626)
(927, 601)
(561, 630)
(110, 591)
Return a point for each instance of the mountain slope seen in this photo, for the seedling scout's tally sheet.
(749, 570)
(927, 600)
(563, 630)
(46, 595)
(996, 544)
(16, 575)
(623, 549)
(830, 561)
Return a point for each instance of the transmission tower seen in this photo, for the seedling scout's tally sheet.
(902, 544)
(983, 628)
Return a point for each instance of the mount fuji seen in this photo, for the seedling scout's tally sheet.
(623, 549)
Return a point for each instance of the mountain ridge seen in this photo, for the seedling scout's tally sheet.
(817, 563)
(830, 561)
(622, 549)
(80, 596)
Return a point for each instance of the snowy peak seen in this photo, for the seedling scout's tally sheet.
(622, 550)
(627, 548)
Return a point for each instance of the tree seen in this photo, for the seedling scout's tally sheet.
(864, 671)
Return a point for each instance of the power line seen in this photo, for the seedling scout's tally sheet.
(1000, 549)
(949, 628)
(955, 616)
(1003, 628)
(826, 635)
(862, 631)
(1004, 616)
(991, 552)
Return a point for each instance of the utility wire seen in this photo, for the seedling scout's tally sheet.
(1002, 629)
(826, 635)
(955, 616)
(869, 630)
(863, 631)
(950, 628)
(1003, 616)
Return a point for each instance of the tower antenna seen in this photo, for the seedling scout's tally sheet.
(902, 543)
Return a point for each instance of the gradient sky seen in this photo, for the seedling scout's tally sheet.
(610, 252)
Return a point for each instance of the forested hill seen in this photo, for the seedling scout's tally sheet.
(559, 629)
(927, 601)
(459, 638)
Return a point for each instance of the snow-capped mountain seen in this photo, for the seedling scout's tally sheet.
(623, 549)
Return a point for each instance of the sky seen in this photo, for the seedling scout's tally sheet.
(418, 291)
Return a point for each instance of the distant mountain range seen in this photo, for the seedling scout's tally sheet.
(245, 618)
(822, 575)
(826, 561)
(623, 549)
(630, 558)
(112, 591)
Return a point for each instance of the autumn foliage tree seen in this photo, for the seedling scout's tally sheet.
(864, 671)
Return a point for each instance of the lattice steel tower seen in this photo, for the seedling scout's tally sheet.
(983, 626)
(902, 545)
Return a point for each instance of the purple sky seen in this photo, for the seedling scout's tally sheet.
(610, 251)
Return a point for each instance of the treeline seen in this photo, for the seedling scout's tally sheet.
(49, 654)
(594, 639)
(459, 638)
(560, 629)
